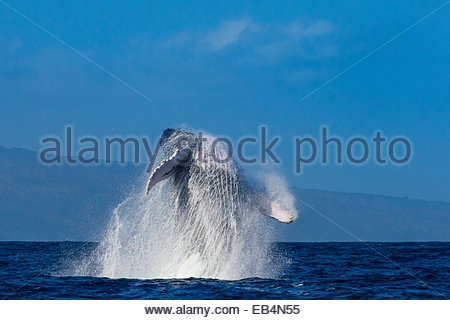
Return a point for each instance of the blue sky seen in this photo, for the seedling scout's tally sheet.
(230, 67)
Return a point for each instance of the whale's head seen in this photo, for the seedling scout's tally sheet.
(177, 139)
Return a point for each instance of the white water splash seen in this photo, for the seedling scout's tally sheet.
(217, 234)
(277, 190)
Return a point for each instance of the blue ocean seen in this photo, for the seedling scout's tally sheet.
(353, 270)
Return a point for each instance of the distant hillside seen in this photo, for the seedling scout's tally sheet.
(64, 202)
(368, 217)
(39, 202)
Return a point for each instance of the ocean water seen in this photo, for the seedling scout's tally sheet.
(200, 235)
(46, 270)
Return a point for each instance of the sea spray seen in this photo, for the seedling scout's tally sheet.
(213, 233)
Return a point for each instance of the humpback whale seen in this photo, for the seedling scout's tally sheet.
(188, 166)
(201, 218)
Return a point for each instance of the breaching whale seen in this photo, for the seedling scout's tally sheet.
(188, 166)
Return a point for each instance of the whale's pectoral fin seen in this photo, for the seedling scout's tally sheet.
(167, 167)
(274, 210)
